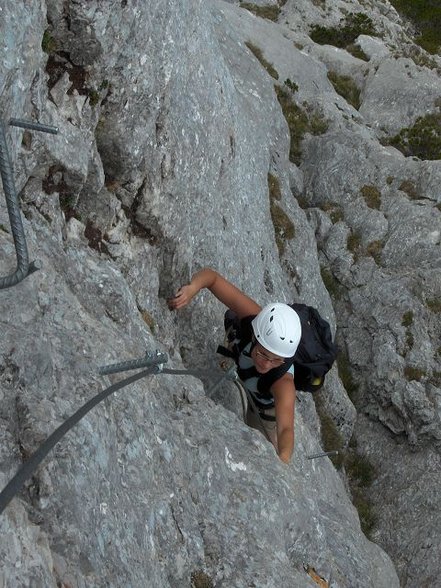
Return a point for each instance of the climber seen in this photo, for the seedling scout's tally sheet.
(274, 334)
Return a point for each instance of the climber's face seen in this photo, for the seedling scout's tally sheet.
(264, 360)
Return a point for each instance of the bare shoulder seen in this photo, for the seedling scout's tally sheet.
(284, 389)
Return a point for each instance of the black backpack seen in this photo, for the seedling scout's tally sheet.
(314, 356)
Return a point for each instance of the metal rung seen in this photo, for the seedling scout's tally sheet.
(33, 126)
(150, 359)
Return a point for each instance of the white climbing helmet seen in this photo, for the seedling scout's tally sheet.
(277, 327)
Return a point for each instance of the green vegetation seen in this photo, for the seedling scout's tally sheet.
(426, 15)
(365, 510)
(257, 52)
(353, 243)
(67, 205)
(334, 211)
(357, 51)
(303, 202)
(434, 304)
(331, 437)
(336, 214)
(3, 229)
(297, 122)
(318, 124)
(274, 187)
(409, 188)
(360, 470)
(409, 341)
(283, 226)
(361, 474)
(54, 182)
(94, 97)
(269, 12)
(332, 285)
(418, 56)
(199, 579)
(48, 43)
(291, 85)
(372, 196)
(351, 27)
(300, 121)
(435, 379)
(346, 377)
(407, 319)
(346, 87)
(414, 373)
(375, 249)
(422, 140)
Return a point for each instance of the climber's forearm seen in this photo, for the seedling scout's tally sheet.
(224, 291)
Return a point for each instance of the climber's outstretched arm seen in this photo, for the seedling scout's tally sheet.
(284, 393)
(224, 291)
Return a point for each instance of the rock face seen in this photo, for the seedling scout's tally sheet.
(173, 153)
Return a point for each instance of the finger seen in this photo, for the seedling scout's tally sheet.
(172, 302)
(183, 302)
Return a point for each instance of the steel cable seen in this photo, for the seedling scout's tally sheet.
(24, 268)
(29, 467)
(14, 216)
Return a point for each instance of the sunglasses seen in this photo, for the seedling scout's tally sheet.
(273, 361)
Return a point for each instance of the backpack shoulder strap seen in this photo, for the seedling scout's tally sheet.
(238, 333)
(267, 380)
(246, 331)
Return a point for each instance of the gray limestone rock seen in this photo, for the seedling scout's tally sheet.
(396, 93)
(415, 474)
(374, 48)
(169, 127)
(158, 481)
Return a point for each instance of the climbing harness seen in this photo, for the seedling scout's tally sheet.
(154, 363)
(245, 397)
(24, 268)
